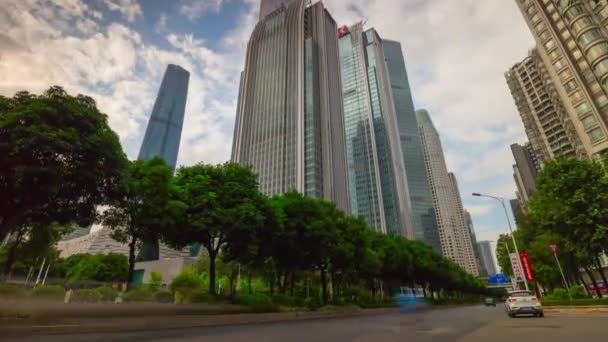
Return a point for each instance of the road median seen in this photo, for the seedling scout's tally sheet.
(69, 324)
(581, 310)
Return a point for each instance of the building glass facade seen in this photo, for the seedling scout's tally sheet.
(290, 123)
(423, 212)
(164, 129)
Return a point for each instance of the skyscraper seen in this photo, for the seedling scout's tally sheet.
(547, 124)
(290, 123)
(487, 260)
(572, 42)
(453, 234)
(473, 237)
(423, 213)
(165, 125)
(525, 170)
(164, 131)
(378, 184)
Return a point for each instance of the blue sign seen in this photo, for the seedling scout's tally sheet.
(499, 278)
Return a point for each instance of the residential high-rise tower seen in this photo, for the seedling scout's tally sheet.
(377, 179)
(453, 233)
(572, 42)
(290, 123)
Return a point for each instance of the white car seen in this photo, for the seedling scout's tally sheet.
(523, 303)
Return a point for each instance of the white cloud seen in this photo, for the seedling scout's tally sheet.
(479, 209)
(193, 9)
(130, 9)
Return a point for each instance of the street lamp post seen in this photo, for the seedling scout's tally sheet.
(502, 202)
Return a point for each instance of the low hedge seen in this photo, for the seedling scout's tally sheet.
(142, 294)
(12, 292)
(257, 302)
(49, 292)
(89, 296)
(575, 302)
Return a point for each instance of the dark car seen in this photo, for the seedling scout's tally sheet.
(489, 302)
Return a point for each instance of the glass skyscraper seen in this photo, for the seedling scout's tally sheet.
(164, 131)
(378, 185)
(290, 123)
(165, 125)
(423, 212)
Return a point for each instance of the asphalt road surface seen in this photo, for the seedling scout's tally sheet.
(473, 323)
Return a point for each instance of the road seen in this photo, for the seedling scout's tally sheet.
(474, 323)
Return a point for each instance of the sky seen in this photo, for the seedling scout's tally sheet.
(116, 51)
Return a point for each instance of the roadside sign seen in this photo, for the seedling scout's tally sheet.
(517, 271)
(527, 266)
(553, 247)
(514, 284)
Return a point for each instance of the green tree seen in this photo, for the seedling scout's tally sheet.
(59, 160)
(98, 267)
(143, 207)
(219, 200)
(572, 201)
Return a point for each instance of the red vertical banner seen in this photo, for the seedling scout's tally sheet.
(527, 266)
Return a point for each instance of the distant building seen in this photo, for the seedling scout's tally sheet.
(93, 243)
(77, 232)
(378, 184)
(453, 233)
(471, 228)
(487, 259)
(525, 170)
(164, 130)
(290, 122)
(423, 211)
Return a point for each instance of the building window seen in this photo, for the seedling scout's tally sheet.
(582, 109)
(589, 121)
(596, 134)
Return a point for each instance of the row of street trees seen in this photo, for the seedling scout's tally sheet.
(570, 208)
(59, 161)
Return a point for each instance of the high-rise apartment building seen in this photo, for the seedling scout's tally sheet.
(453, 233)
(164, 129)
(377, 180)
(525, 170)
(423, 212)
(487, 260)
(290, 122)
(473, 237)
(547, 124)
(572, 42)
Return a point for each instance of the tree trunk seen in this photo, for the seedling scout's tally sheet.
(212, 256)
(424, 291)
(601, 271)
(9, 223)
(131, 271)
(324, 283)
(292, 281)
(597, 289)
(249, 282)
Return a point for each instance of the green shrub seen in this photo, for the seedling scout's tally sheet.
(12, 292)
(107, 293)
(201, 296)
(574, 302)
(287, 301)
(186, 279)
(49, 292)
(558, 294)
(578, 292)
(257, 302)
(156, 280)
(141, 294)
(313, 303)
(86, 296)
(164, 297)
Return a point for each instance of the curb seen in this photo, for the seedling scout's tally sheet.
(577, 309)
(106, 325)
